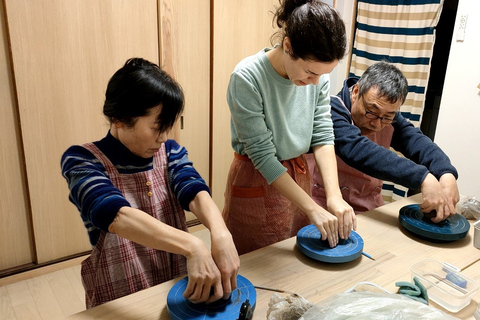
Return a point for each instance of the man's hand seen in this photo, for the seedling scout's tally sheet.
(450, 190)
(434, 199)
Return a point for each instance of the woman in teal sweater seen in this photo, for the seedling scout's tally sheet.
(280, 109)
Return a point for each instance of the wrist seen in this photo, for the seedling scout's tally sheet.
(220, 235)
(448, 176)
(428, 179)
(193, 246)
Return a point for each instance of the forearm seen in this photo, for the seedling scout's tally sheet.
(448, 179)
(450, 188)
(414, 145)
(293, 192)
(327, 165)
(139, 227)
(210, 216)
(326, 223)
(208, 213)
(223, 249)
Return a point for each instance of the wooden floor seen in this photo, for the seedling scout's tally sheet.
(53, 292)
(53, 295)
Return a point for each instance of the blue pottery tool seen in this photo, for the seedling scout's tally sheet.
(244, 296)
(309, 242)
(453, 228)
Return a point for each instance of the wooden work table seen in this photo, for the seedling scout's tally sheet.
(283, 266)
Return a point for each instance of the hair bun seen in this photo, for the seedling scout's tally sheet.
(137, 62)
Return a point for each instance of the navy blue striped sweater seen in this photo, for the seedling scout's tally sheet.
(99, 201)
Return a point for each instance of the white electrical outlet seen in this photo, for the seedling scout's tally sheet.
(462, 25)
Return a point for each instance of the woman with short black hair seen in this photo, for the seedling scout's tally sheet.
(131, 188)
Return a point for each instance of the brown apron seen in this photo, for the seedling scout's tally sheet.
(117, 266)
(359, 190)
(256, 214)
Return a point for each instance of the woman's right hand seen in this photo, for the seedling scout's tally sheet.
(327, 224)
(226, 258)
(347, 221)
(203, 273)
(204, 278)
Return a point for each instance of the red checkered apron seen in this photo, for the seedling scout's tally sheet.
(117, 266)
(256, 214)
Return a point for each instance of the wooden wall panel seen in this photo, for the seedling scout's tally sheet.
(189, 48)
(15, 231)
(241, 28)
(64, 52)
(185, 54)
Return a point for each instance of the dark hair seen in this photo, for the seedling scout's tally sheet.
(139, 86)
(316, 30)
(388, 79)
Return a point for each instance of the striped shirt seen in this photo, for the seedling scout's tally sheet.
(94, 195)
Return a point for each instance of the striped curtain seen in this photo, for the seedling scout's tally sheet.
(403, 33)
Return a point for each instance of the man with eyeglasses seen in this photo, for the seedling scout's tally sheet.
(367, 122)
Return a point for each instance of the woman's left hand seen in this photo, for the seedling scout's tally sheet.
(345, 214)
(226, 257)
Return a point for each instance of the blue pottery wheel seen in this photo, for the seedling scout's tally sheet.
(309, 242)
(453, 228)
(180, 308)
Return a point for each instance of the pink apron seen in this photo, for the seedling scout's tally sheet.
(359, 190)
(256, 214)
(117, 266)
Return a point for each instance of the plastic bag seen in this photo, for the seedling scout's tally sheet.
(469, 207)
(290, 307)
(372, 305)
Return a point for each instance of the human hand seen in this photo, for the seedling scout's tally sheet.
(450, 190)
(226, 258)
(327, 224)
(434, 199)
(203, 276)
(345, 214)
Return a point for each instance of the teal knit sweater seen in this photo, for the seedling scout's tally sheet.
(272, 119)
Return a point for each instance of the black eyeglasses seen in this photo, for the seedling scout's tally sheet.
(372, 116)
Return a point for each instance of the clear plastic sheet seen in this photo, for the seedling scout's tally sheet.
(469, 207)
(363, 301)
(372, 306)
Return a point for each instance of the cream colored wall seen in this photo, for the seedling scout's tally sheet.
(457, 131)
(346, 8)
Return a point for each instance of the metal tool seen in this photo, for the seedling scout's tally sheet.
(447, 282)
(368, 256)
(275, 290)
